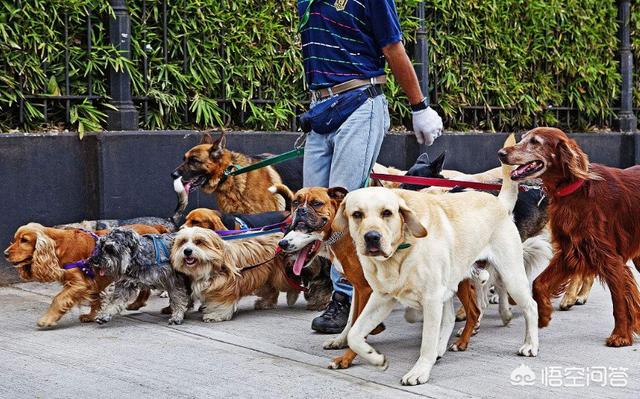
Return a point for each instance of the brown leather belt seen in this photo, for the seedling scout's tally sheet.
(321, 94)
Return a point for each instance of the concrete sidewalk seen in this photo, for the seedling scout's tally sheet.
(274, 354)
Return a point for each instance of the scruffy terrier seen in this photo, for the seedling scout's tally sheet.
(136, 262)
(222, 272)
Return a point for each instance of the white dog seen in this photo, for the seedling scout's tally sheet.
(403, 263)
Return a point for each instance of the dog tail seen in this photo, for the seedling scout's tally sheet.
(284, 192)
(537, 253)
(509, 191)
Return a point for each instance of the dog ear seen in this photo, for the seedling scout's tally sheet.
(423, 159)
(337, 193)
(575, 161)
(218, 146)
(340, 221)
(438, 164)
(206, 138)
(45, 261)
(414, 224)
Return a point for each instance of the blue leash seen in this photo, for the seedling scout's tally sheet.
(248, 235)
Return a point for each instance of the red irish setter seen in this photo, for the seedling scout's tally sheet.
(594, 219)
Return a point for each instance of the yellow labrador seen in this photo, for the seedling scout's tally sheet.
(416, 247)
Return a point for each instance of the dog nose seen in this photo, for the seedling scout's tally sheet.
(301, 212)
(284, 244)
(175, 174)
(372, 238)
(502, 154)
(188, 251)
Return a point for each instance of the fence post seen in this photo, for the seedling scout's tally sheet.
(125, 117)
(421, 61)
(627, 119)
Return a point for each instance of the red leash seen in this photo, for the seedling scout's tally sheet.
(433, 181)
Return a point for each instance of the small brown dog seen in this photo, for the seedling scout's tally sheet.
(222, 272)
(595, 224)
(315, 277)
(39, 253)
(311, 234)
(204, 166)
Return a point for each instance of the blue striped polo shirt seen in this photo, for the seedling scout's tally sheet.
(343, 39)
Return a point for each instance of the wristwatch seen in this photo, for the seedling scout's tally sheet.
(424, 104)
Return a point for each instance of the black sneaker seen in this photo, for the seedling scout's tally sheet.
(335, 317)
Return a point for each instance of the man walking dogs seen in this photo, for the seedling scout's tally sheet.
(345, 44)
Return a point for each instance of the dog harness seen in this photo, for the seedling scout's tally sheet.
(160, 248)
(83, 264)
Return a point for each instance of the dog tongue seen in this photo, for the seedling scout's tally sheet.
(101, 272)
(301, 260)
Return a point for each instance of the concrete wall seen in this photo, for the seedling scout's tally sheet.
(55, 179)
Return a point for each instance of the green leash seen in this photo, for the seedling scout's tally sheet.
(234, 170)
(305, 17)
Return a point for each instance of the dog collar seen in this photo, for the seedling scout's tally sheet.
(569, 189)
(333, 238)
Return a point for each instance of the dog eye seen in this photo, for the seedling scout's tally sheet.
(316, 204)
(535, 141)
(24, 239)
(295, 203)
(386, 213)
(357, 215)
(198, 242)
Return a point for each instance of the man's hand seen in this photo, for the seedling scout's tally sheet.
(427, 125)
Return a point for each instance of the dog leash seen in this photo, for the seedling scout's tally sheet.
(437, 182)
(83, 264)
(234, 170)
(224, 233)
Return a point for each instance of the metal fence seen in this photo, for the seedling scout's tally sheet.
(129, 110)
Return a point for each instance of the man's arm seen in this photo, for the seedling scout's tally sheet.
(427, 124)
(403, 71)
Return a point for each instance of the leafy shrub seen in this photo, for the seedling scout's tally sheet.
(495, 65)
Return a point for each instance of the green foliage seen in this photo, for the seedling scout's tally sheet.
(523, 57)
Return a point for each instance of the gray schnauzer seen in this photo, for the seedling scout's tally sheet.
(135, 262)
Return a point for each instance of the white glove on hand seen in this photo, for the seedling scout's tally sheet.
(427, 125)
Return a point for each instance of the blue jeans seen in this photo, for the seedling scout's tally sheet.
(345, 157)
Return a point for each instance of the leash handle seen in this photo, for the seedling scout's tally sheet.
(437, 182)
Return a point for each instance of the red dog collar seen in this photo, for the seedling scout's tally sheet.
(569, 189)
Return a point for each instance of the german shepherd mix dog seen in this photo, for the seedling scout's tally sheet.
(204, 166)
(311, 234)
(46, 255)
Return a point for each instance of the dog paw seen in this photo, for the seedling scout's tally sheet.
(164, 294)
(207, 318)
(341, 362)
(617, 341)
(264, 305)
(528, 350)
(46, 322)
(494, 299)
(87, 318)
(459, 346)
(103, 319)
(506, 316)
(417, 376)
(335, 343)
(166, 310)
(175, 321)
(134, 306)
(581, 301)
(383, 364)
